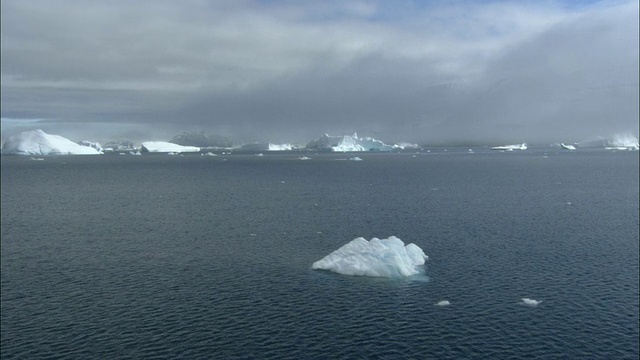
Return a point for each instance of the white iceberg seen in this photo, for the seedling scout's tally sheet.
(624, 141)
(443, 303)
(406, 145)
(621, 141)
(567, 147)
(377, 258)
(355, 158)
(282, 147)
(119, 145)
(166, 147)
(522, 146)
(256, 146)
(348, 143)
(37, 142)
(95, 145)
(530, 302)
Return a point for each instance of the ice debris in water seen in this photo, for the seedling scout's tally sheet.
(443, 303)
(530, 302)
(377, 258)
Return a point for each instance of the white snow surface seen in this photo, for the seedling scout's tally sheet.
(37, 142)
(377, 258)
(167, 147)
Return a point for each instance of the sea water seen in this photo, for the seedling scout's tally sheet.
(210, 257)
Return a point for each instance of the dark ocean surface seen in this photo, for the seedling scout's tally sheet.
(160, 256)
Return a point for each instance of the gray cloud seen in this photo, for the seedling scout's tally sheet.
(286, 71)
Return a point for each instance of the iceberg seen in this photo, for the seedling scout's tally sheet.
(443, 303)
(269, 147)
(281, 147)
(377, 258)
(530, 302)
(567, 147)
(348, 143)
(522, 146)
(95, 145)
(621, 141)
(166, 147)
(37, 142)
(119, 145)
(406, 145)
(624, 141)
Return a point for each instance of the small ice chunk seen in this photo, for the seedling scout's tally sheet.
(530, 302)
(443, 303)
(355, 159)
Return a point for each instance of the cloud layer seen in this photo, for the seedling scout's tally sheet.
(462, 71)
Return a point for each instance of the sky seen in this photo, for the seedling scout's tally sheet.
(430, 72)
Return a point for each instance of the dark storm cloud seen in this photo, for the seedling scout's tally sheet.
(285, 71)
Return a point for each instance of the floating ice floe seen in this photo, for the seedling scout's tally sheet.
(530, 302)
(567, 147)
(522, 146)
(37, 142)
(167, 147)
(257, 146)
(406, 145)
(443, 303)
(355, 159)
(282, 147)
(377, 258)
(348, 143)
(304, 158)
